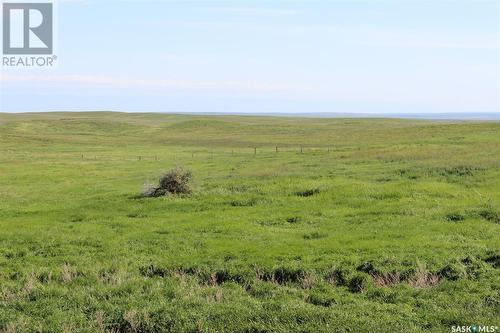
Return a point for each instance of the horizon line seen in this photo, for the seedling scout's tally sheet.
(461, 115)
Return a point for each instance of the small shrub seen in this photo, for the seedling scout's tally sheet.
(175, 181)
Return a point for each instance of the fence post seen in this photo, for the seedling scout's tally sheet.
(301, 150)
(255, 151)
(276, 149)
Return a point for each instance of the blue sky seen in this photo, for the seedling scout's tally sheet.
(267, 56)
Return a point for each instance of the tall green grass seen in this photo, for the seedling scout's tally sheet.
(378, 225)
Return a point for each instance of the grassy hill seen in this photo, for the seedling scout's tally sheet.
(349, 225)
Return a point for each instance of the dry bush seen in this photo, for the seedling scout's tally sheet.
(175, 181)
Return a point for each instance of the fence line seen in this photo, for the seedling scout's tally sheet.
(255, 151)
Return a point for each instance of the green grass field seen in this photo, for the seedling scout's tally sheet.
(376, 226)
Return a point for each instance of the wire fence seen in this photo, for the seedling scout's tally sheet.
(254, 151)
(147, 155)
